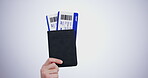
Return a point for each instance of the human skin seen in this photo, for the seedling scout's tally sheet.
(49, 69)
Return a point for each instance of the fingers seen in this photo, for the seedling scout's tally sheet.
(48, 75)
(53, 71)
(53, 60)
(51, 76)
(51, 66)
(49, 71)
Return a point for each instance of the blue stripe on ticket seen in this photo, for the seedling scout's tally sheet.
(47, 23)
(75, 23)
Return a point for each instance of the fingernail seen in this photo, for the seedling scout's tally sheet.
(61, 61)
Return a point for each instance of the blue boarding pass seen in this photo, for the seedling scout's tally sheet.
(67, 21)
(52, 22)
(63, 21)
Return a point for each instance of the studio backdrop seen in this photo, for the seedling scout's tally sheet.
(112, 38)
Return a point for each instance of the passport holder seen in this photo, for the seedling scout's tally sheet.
(62, 45)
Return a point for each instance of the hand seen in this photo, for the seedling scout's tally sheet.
(50, 69)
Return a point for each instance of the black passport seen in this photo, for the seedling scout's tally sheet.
(62, 45)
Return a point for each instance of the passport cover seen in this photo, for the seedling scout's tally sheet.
(62, 45)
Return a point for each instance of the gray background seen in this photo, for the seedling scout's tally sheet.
(112, 39)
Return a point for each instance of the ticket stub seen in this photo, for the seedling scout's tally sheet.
(67, 21)
(63, 21)
(52, 22)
